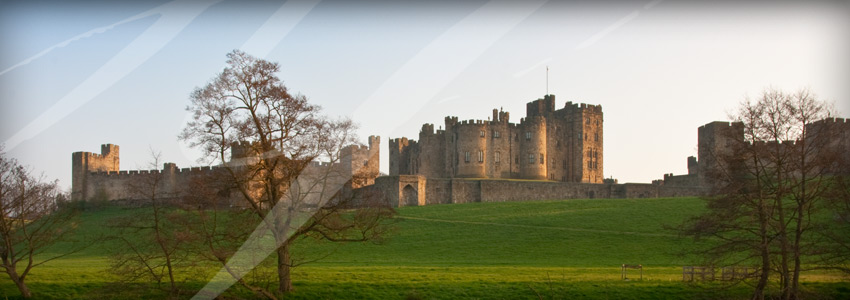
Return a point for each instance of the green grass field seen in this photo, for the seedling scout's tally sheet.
(564, 249)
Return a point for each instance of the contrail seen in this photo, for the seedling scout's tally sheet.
(532, 68)
(596, 37)
(622, 21)
(155, 11)
(174, 16)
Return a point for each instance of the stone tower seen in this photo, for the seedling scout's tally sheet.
(715, 141)
(83, 163)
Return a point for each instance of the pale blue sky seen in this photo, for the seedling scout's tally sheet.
(74, 76)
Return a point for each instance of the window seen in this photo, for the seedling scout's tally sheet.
(596, 137)
(579, 135)
(588, 121)
(528, 135)
(480, 156)
(498, 157)
(466, 156)
(481, 133)
(531, 158)
(541, 158)
(496, 134)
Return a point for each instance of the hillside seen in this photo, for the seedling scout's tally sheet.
(551, 249)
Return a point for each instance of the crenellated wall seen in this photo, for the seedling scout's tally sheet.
(97, 176)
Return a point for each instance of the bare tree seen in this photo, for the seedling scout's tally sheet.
(151, 243)
(768, 186)
(30, 222)
(278, 138)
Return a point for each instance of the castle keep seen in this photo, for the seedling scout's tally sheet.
(548, 144)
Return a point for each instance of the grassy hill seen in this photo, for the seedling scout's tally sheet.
(548, 249)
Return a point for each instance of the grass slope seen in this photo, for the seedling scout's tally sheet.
(548, 249)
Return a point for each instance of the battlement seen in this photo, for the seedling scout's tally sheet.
(374, 140)
(427, 128)
(721, 124)
(105, 150)
(541, 106)
(570, 106)
(167, 168)
(474, 122)
(242, 149)
(400, 142)
(351, 148)
(832, 121)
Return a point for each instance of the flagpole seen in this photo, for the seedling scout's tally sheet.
(547, 80)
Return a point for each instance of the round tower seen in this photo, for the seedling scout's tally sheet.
(532, 140)
(472, 149)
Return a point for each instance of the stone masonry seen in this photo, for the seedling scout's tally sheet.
(548, 144)
(97, 176)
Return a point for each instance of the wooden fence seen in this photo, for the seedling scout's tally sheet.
(626, 267)
(707, 273)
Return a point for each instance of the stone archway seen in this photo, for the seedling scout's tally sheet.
(410, 197)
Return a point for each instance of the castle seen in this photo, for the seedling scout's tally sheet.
(548, 144)
(550, 154)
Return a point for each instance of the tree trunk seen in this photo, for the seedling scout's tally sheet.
(25, 291)
(758, 293)
(784, 273)
(795, 280)
(283, 269)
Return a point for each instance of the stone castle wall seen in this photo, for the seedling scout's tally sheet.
(721, 139)
(459, 190)
(96, 176)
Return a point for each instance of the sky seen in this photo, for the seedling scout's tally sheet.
(75, 75)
